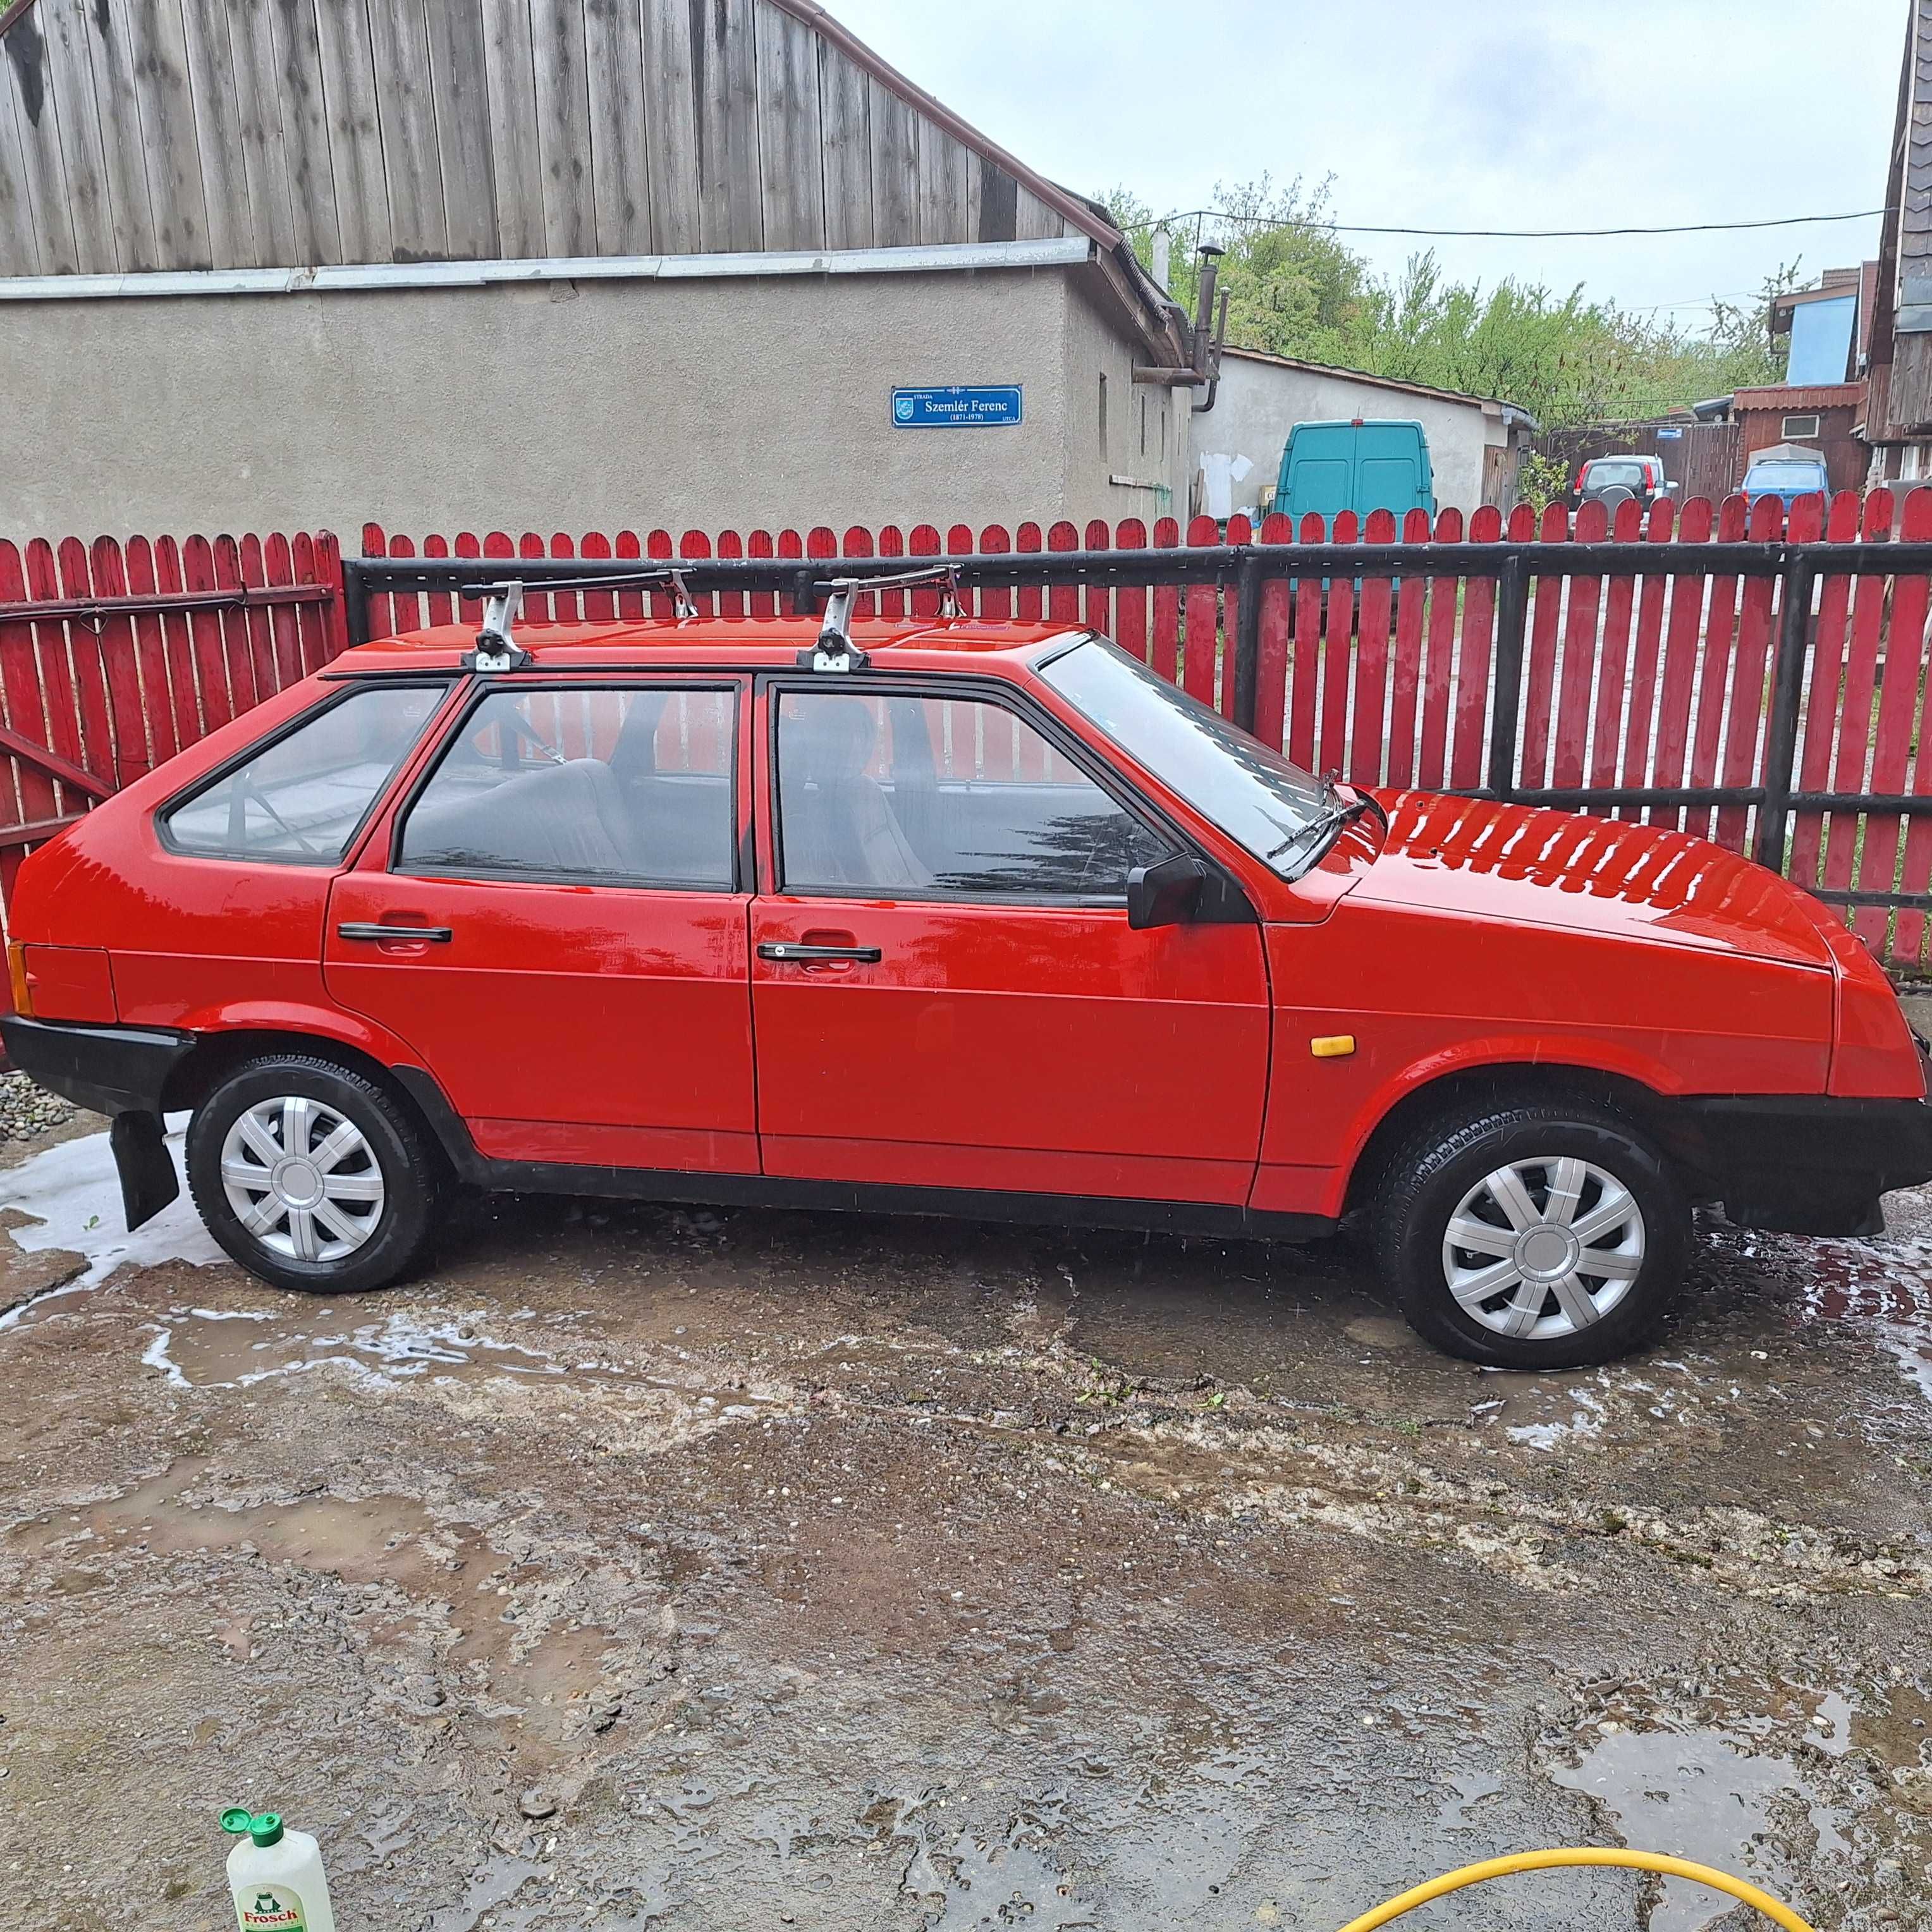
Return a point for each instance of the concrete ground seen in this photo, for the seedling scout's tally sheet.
(650, 1566)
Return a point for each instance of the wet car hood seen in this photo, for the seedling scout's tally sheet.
(1556, 869)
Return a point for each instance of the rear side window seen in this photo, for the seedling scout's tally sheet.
(623, 785)
(300, 799)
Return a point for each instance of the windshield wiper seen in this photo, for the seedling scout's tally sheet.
(1330, 819)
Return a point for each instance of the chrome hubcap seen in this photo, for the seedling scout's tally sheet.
(1543, 1247)
(302, 1179)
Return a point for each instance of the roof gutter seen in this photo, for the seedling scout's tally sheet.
(1058, 251)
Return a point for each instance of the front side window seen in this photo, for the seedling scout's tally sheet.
(300, 798)
(915, 797)
(1255, 795)
(615, 786)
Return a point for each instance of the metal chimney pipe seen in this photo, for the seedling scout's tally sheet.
(1163, 249)
(1204, 304)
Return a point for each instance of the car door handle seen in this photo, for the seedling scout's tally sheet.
(796, 950)
(357, 929)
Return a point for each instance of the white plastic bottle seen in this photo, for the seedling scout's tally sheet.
(276, 1876)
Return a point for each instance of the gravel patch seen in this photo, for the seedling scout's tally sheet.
(27, 1109)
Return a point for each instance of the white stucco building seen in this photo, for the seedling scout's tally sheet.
(1475, 442)
(549, 265)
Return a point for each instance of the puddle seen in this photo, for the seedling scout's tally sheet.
(1885, 1291)
(1585, 1420)
(73, 1193)
(1698, 1794)
(451, 1626)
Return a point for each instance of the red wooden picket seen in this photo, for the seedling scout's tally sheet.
(1911, 594)
(1903, 644)
(1639, 705)
(1271, 628)
(1130, 601)
(1576, 671)
(1406, 660)
(83, 647)
(1164, 651)
(1338, 630)
(1475, 644)
(858, 542)
(1432, 762)
(20, 687)
(1679, 675)
(1202, 603)
(996, 603)
(1097, 613)
(1612, 660)
(1743, 730)
(150, 649)
(108, 573)
(1719, 650)
(1540, 661)
(1305, 664)
(1856, 717)
(1062, 600)
(1813, 766)
(1239, 531)
(1368, 725)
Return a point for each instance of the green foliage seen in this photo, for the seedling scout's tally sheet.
(1541, 479)
(1296, 289)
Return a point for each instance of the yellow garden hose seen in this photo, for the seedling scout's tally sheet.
(1579, 1854)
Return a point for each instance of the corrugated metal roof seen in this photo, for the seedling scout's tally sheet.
(1801, 396)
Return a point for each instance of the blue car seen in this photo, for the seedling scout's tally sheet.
(1786, 471)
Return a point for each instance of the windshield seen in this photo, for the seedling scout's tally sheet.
(1786, 476)
(1253, 794)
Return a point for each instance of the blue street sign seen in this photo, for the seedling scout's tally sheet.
(1669, 435)
(956, 406)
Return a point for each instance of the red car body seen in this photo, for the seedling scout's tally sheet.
(1237, 1073)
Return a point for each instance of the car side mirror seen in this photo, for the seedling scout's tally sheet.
(1166, 894)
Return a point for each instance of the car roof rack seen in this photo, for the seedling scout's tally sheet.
(835, 650)
(497, 650)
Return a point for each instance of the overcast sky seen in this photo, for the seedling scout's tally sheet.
(1524, 114)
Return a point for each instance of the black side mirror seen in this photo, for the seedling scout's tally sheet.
(1165, 894)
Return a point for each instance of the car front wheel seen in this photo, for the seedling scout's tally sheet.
(1534, 1236)
(312, 1177)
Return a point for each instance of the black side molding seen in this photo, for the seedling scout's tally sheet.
(769, 1190)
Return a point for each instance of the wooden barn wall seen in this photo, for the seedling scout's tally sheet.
(152, 134)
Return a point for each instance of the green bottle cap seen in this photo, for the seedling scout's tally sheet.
(264, 1827)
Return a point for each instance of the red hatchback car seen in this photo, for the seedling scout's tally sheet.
(983, 919)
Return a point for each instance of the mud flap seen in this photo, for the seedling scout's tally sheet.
(148, 1181)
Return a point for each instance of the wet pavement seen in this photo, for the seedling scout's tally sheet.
(660, 1567)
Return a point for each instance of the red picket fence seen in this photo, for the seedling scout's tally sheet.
(1634, 680)
(1628, 683)
(114, 657)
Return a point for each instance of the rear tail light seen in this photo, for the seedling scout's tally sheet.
(22, 986)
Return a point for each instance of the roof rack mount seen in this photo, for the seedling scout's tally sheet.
(835, 650)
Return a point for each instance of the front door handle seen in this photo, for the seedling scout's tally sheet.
(797, 951)
(358, 929)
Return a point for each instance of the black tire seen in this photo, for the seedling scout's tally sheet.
(1429, 1179)
(411, 1172)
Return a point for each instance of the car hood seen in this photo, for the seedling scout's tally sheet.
(1534, 867)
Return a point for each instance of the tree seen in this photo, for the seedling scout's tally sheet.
(1296, 289)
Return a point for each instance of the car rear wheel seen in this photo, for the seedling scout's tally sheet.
(312, 1177)
(1533, 1236)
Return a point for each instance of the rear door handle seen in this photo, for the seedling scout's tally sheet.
(796, 950)
(358, 929)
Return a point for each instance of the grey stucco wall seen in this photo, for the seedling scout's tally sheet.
(746, 403)
(1146, 428)
(1260, 402)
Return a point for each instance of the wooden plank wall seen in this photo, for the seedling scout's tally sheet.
(148, 134)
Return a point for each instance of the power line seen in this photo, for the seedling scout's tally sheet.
(1499, 234)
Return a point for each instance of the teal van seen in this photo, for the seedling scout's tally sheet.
(1358, 466)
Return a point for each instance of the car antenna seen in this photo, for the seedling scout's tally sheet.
(835, 650)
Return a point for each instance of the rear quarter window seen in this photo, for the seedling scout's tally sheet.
(299, 798)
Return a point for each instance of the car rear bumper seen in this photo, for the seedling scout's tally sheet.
(117, 1070)
(1801, 1164)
